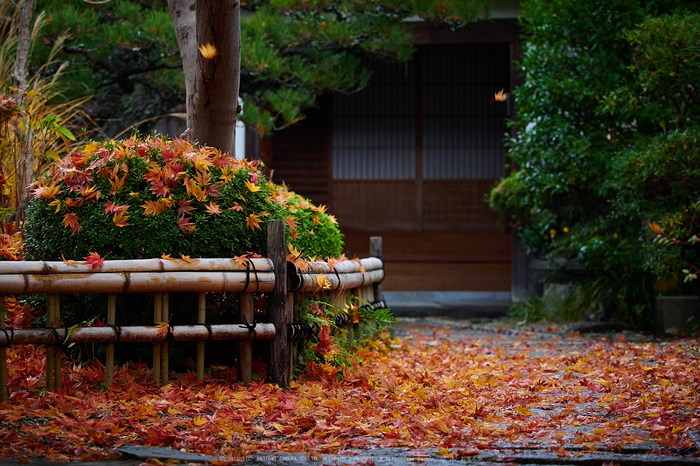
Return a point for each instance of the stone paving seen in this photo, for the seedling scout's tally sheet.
(536, 452)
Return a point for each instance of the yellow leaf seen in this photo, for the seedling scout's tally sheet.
(186, 258)
(199, 421)
(208, 51)
(323, 281)
(166, 257)
(252, 187)
(56, 203)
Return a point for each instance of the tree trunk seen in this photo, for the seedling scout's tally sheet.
(24, 166)
(184, 19)
(20, 72)
(218, 78)
(211, 82)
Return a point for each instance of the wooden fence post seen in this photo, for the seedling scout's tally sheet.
(246, 311)
(157, 317)
(375, 250)
(280, 355)
(4, 392)
(202, 320)
(111, 320)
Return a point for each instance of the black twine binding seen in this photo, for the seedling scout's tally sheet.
(298, 331)
(54, 331)
(8, 338)
(117, 331)
(208, 327)
(337, 275)
(248, 264)
(171, 336)
(250, 327)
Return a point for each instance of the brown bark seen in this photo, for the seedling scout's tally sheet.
(20, 72)
(218, 78)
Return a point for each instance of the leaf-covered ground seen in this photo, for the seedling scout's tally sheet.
(458, 395)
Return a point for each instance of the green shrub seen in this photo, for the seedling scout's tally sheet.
(606, 142)
(144, 198)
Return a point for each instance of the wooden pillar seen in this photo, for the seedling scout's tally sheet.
(280, 354)
(4, 393)
(375, 250)
(201, 319)
(164, 349)
(111, 320)
(244, 368)
(53, 352)
(157, 317)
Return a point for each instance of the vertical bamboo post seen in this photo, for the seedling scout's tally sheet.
(279, 364)
(111, 320)
(165, 350)
(50, 317)
(57, 349)
(245, 348)
(157, 317)
(375, 250)
(201, 319)
(4, 393)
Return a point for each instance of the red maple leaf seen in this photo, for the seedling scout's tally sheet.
(94, 260)
(185, 225)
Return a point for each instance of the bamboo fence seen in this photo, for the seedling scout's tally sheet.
(163, 276)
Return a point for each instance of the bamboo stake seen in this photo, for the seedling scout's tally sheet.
(201, 319)
(245, 348)
(111, 320)
(157, 317)
(49, 349)
(165, 350)
(4, 394)
(57, 349)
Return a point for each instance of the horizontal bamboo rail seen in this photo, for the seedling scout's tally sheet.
(133, 334)
(162, 276)
(344, 275)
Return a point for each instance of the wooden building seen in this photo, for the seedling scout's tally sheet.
(412, 157)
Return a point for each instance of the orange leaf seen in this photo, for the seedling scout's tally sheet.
(501, 96)
(213, 208)
(656, 228)
(186, 258)
(241, 260)
(71, 221)
(253, 221)
(70, 263)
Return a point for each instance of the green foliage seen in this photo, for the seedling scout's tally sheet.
(602, 80)
(126, 53)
